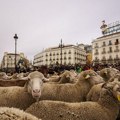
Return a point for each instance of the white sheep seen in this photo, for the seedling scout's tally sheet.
(7, 113)
(18, 76)
(65, 77)
(106, 108)
(4, 76)
(107, 73)
(94, 92)
(71, 92)
(22, 97)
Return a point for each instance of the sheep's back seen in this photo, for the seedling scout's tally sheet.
(15, 97)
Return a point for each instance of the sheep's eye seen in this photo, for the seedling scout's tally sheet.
(118, 89)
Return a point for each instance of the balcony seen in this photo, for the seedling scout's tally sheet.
(65, 58)
(116, 43)
(110, 51)
(110, 44)
(97, 53)
(69, 58)
(96, 46)
(110, 59)
(103, 52)
(117, 50)
(103, 45)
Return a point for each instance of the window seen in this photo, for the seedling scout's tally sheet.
(110, 48)
(53, 54)
(69, 52)
(50, 54)
(64, 52)
(69, 58)
(116, 42)
(110, 43)
(104, 44)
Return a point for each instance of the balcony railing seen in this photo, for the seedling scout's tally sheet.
(103, 45)
(109, 51)
(97, 53)
(110, 44)
(104, 52)
(116, 43)
(96, 46)
(117, 50)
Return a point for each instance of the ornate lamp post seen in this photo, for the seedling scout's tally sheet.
(15, 37)
(61, 46)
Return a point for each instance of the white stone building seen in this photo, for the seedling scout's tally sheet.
(71, 55)
(106, 49)
(8, 61)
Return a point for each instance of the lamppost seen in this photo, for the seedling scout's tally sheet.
(15, 37)
(61, 46)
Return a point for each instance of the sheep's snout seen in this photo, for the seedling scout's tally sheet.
(36, 93)
(36, 90)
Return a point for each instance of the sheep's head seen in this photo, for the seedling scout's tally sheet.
(107, 73)
(113, 88)
(35, 83)
(67, 76)
(3, 76)
(91, 77)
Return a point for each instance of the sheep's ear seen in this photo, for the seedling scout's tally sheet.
(26, 85)
(104, 85)
(45, 79)
(118, 97)
(87, 76)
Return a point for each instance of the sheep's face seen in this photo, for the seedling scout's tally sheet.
(3, 75)
(107, 73)
(35, 84)
(91, 76)
(68, 75)
(35, 87)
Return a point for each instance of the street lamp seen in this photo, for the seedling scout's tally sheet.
(61, 46)
(15, 37)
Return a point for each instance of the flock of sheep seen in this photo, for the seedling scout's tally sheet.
(88, 95)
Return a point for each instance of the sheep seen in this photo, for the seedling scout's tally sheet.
(18, 76)
(71, 92)
(3, 76)
(6, 83)
(94, 92)
(107, 73)
(106, 108)
(65, 77)
(22, 97)
(7, 113)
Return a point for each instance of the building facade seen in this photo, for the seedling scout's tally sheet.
(67, 55)
(8, 61)
(106, 49)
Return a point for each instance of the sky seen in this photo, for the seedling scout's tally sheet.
(41, 24)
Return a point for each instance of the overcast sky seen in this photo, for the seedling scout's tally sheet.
(42, 23)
